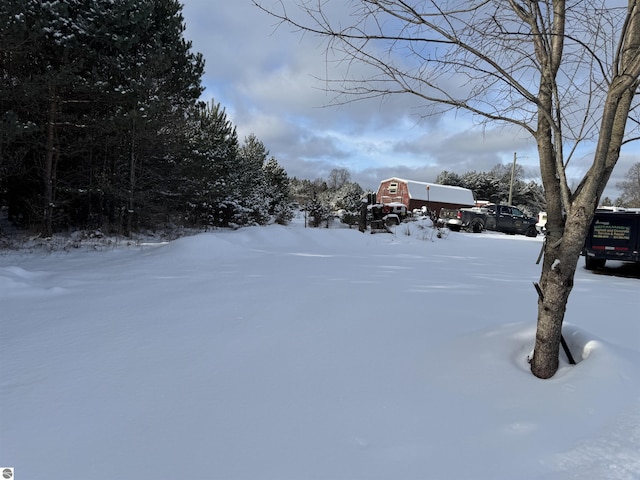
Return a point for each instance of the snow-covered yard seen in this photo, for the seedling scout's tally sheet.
(290, 353)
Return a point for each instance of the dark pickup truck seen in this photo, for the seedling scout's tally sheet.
(499, 218)
(613, 235)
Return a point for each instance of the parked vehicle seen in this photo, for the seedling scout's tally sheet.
(613, 235)
(382, 215)
(470, 219)
(395, 208)
(499, 218)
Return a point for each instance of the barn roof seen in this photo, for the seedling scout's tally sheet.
(437, 192)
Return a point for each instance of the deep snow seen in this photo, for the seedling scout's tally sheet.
(292, 353)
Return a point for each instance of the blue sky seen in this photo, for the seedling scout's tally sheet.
(269, 81)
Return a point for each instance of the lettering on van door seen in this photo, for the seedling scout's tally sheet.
(607, 231)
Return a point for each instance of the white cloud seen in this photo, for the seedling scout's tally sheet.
(267, 78)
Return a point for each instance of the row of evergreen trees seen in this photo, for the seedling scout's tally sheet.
(101, 126)
(495, 186)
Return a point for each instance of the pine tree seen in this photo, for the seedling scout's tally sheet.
(161, 82)
(317, 210)
(349, 199)
(100, 87)
(206, 187)
(494, 186)
(252, 205)
(278, 192)
(449, 178)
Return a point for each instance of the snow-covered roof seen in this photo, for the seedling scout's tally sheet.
(437, 192)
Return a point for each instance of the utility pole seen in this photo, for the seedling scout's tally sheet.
(513, 173)
(428, 207)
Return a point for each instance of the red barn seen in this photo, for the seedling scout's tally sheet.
(415, 195)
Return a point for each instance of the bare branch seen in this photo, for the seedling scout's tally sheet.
(564, 73)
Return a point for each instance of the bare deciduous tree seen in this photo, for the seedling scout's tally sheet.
(338, 178)
(630, 187)
(566, 73)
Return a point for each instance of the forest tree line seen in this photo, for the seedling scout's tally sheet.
(498, 185)
(101, 126)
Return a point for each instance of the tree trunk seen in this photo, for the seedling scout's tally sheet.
(556, 282)
(47, 175)
(132, 185)
(616, 73)
(564, 242)
(566, 235)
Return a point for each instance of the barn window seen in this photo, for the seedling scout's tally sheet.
(393, 188)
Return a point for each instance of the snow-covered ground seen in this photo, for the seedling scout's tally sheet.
(290, 353)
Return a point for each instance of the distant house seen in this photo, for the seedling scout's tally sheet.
(415, 195)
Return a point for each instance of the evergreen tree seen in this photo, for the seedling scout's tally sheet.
(317, 211)
(278, 192)
(494, 186)
(349, 199)
(161, 82)
(39, 79)
(449, 178)
(101, 88)
(251, 203)
(206, 187)
(303, 190)
(529, 197)
(486, 186)
(606, 202)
